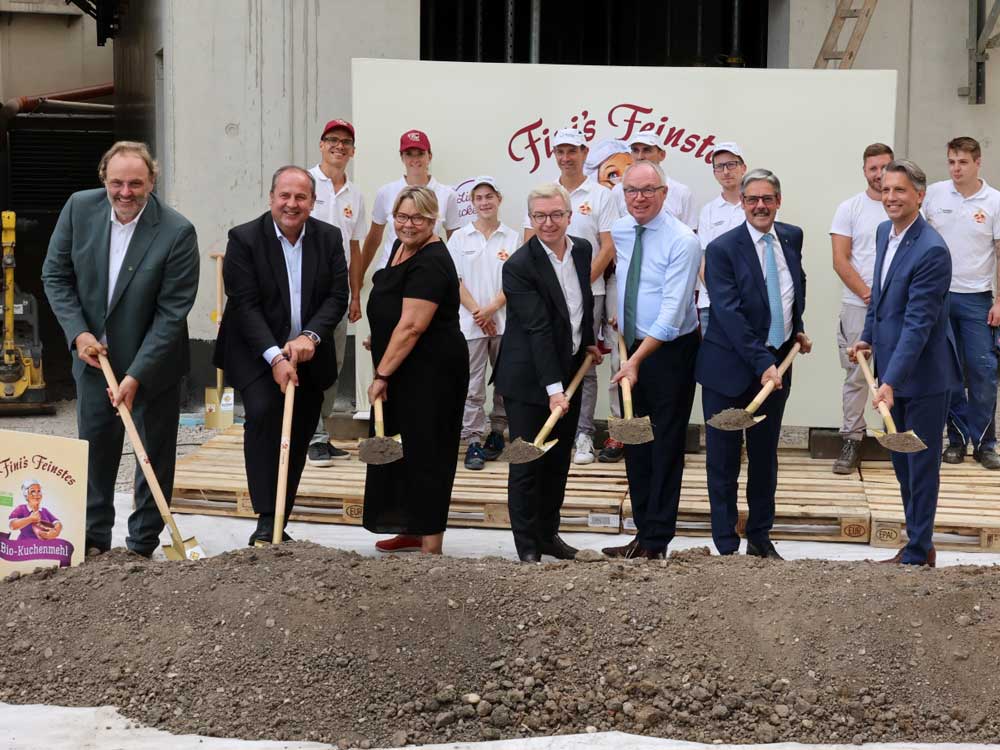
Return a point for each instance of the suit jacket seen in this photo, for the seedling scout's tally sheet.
(734, 353)
(907, 322)
(146, 320)
(258, 305)
(537, 345)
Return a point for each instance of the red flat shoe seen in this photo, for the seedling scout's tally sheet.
(400, 543)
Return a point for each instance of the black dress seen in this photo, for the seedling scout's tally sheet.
(426, 396)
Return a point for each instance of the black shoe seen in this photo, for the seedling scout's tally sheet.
(849, 459)
(954, 454)
(257, 538)
(530, 557)
(324, 454)
(94, 551)
(147, 553)
(493, 446)
(558, 549)
(627, 550)
(765, 550)
(612, 452)
(474, 458)
(988, 458)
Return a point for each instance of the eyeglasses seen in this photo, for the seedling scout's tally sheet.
(415, 219)
(556, 216)
(726, 166)
(647, 192)
(333, 141)
(753, 200)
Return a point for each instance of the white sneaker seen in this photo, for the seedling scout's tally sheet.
(584, 450)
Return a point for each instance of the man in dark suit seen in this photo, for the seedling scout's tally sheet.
(549, 332)
(286, 282)
(758, 289)
(915, 354)
(121, 274)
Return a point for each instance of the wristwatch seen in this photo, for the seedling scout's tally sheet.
(311, 336)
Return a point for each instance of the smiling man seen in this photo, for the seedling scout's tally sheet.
(286, 283)
(121, 274)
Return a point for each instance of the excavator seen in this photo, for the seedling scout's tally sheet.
(22, 385)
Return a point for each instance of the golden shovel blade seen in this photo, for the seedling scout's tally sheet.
(900, 442)
(192, 551)
(733, 420)
(520, 451)
(379, 451)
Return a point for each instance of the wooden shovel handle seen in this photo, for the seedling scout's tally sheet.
(286, 439)
(140, 451)
(890, 423)
(769, 387)
(623, 383)
(219, 289)
(379, 418)
(543, 433)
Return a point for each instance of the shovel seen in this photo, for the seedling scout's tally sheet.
(380, 449)
(520, 451)
(899, 442)
(630, 430)
(742, 419)
(181, 549)
(219, 401)
(286, 441)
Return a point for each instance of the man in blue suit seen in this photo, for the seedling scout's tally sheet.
(758, 289)
(915, 354)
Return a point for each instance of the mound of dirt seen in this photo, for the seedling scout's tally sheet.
(307, 643)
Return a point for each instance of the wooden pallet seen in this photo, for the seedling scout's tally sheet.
(968, 512)
(212, 481)
(811, 502)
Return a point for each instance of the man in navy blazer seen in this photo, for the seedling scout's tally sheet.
(915, 355)
(755, 279)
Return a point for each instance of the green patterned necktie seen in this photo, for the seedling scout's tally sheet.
(632, 287)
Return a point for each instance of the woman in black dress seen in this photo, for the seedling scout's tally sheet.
(422, 376)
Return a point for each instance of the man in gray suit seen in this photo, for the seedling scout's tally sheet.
(121, 274)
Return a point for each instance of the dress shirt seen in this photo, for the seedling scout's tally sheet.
(121, 238)
(293, 264)
(569, 282)
(786, 283)
(671, 257)
(895, 240)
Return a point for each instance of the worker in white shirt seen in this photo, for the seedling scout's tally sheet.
(852, 235)
(339, 202)
(593, 213)
(722, 213)
(679, 203)
(479, 250)
(966, 212)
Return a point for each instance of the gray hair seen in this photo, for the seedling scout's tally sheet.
(27, 484)
(550, 190)
(291, 167)
(757, 175)
(914, 173)
(657, 169)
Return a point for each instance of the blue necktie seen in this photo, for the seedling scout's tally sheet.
(776, 333)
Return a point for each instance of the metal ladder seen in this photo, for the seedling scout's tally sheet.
(845, 10)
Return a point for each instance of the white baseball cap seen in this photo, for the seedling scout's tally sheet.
(484, 180)
(569, 137)
(646, 139)
(729, 146)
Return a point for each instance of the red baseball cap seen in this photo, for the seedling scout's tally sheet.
(334, 124)
(414, 139)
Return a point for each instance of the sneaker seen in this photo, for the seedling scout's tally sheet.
(493, 446)
(988, 458)
(584, 450)
(475, 459)
(400, 543)
(324, 454)
(954, 454)
(849, 459)
(612, 452)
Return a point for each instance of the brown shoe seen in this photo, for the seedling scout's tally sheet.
(641, 551)
(897, 559)
(626, 551)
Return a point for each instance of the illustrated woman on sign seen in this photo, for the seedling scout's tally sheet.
(30, 518)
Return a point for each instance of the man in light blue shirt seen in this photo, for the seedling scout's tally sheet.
(658, 258)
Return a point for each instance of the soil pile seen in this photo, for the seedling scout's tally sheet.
(303, 642)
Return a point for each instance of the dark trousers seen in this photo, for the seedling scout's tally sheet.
(919, 474)
(156, 421)
(664, 393)
(535, 490)
(722, 449)
(264, 404)
(970, 417)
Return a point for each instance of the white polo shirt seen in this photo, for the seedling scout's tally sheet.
(716, 218)
(594, 211)
(479, 262)
(970, 227)
(857, 218)
(345, 209)
(448, 217)
(678, 204)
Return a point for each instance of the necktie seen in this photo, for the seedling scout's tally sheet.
(632, 287)
(776, 333)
